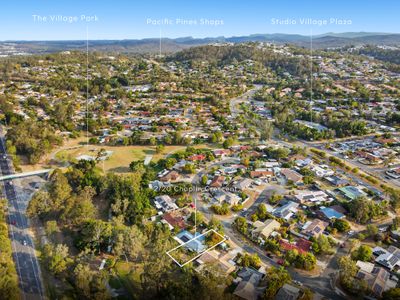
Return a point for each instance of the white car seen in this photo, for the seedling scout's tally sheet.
(24, 242)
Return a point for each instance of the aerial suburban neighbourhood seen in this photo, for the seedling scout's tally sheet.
(260, 166)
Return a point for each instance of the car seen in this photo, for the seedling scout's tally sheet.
(10, 183)
(297, 283)
(351, 232)
(24, 242)
(4, 156)
(13, 222)
(281, 262)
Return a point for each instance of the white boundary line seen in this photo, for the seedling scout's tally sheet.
(201, 253)
(87, 86)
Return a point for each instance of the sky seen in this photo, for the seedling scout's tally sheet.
(124, 19)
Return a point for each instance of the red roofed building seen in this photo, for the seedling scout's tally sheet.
(217, 181)
(174, 221)
(303, 244)
(261, 173)
(197, 157)
(286, 246)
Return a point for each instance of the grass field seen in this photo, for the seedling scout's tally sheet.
(118, 162)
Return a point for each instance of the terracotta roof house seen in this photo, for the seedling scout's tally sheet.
(197, 157)
(174, 221)
(170, 176)
(303, 244)
(261, 173)
(286, 246)
(217, 181)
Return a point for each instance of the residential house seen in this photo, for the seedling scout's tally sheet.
(225, 196)
(337, 181)
(248, 287)
(197, 157)
(264, 229)
(352, 192)
(195, 243)
(311, 196)
(287, 292)
(170, 176)
(330, 213)
(217, 181)
(174, 220)
(286, 211)
(164, 203)
(243, 184)
(322, 171)
(291, 175)
(378, 279)
(389, 258)
(261, 173)
(223, 260)
(221, 153)
(314, 228)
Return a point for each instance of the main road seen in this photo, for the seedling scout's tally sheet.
(23, 248)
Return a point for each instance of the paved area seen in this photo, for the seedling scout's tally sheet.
(26, 263)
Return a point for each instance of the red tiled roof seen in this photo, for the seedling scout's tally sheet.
(288, 246)
(197, 157)
(174, 221)
(303, 244)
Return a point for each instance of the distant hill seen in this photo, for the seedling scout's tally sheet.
(151, 45)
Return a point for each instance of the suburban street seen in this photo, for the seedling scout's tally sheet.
(321, 284)
(26, 263)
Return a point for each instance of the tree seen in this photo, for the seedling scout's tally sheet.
(57, 258)
(51, 228)
(348, 268)
(392, 294)
(322, 245)
(220, 209)
(189, 168)
(275, 198)
(228, 142)
(160, 148)
(372, 230)
(363, 253)
(204, 179)
(262, 211)
(241, 224)
(275, 279)
(266, 130)
(363, 210)
(82, 278)
(341, 225)
(197, 218)
(248, 260)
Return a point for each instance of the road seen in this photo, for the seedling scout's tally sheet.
(233, 103)
(377, 171)
(23, 249)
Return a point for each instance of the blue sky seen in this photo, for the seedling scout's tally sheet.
(123, 19)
